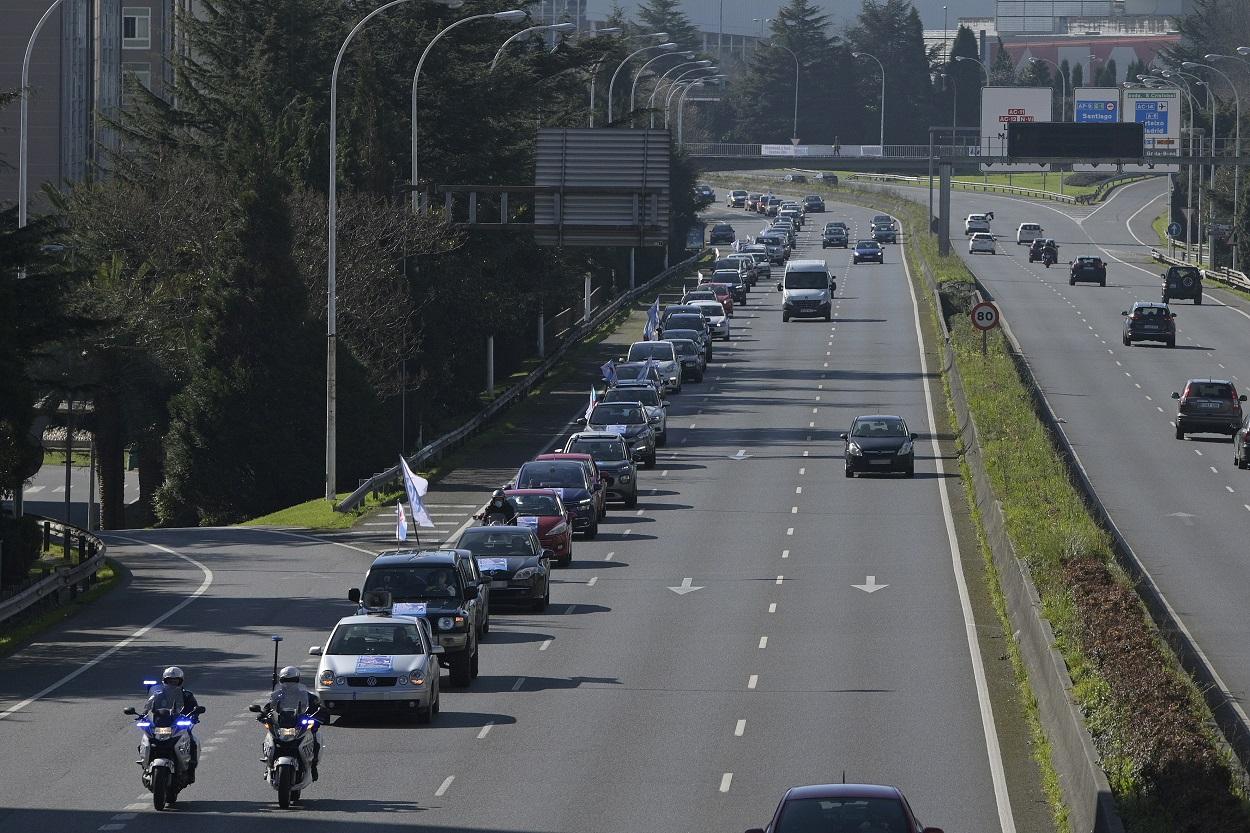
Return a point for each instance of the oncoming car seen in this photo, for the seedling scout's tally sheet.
(880, 442)
(823, 808)
(867, 250)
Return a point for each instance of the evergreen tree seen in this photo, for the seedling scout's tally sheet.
(1107, 75)
(1003, 69)
(667, 16)
(968, 78)
(1078, 76)
(891, 31)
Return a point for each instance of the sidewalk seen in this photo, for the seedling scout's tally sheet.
(529, 428)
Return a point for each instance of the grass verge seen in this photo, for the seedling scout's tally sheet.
(57, 458)
(14, 637)
(320, 514)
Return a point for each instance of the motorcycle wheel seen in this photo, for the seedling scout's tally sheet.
(160, 788)
(285, 777)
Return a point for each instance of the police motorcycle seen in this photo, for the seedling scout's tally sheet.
(165, 748)
(291, 748)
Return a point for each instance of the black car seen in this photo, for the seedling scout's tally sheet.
(1149, 321)
(824, 808)
(693, 358)
(795, 178)
(721, 233)
(445, 587)
(884, 234)
(834, 235)
(1182, 282)
(576, 490)
(813, 204)
(702, 344)
(1208, 406)
(629, 420)
(611, 455)
(1088, 269)
(866, 250)
(880, 442)
(696, 321)
(513, 561)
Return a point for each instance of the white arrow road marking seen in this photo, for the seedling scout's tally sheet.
(685, 587)
(741, 455)
(870, 586)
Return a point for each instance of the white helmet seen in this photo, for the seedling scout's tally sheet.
(172, 675)
(290, 674)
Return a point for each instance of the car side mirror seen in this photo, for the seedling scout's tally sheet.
(778, 286)
(1175, 395)
(581, 420)
(314, 651)
(470, 593)
(549, 555)
(843, 435)
(353, 595)
(915, 436)
(637, 455)
(437, 650)
(1241, 398)
(129, 710)
(255, 709)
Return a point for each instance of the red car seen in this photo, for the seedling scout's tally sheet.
(822, 807)
(553, 522)
(723, 294)
(597, 480)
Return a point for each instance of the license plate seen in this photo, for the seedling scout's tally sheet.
(503, 583)
(1150, 327)
(1210, 405)
(879, 462)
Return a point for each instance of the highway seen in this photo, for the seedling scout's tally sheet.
(627, 706)
(1181, 505)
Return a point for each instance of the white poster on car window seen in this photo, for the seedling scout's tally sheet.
(1159, 111)
(1003, 105)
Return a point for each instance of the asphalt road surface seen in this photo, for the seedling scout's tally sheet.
(627, 706)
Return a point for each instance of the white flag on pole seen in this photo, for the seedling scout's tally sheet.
(401, 522)
(594, 399)
(415, 486)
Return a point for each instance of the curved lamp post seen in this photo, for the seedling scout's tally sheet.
(675, 85)
(794, 126)
(681, 102)
(1236, 140)
(594, 70)
(881, 139)
(660, 82)
(550, 27)
(666, 47)
(1063, 85)
(633, 88)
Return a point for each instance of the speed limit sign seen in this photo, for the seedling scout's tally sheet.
(985, 316)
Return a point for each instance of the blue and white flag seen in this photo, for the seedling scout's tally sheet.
(653, 321)
(416, 487)
(401, 522)
(594, 399)
(609, 373)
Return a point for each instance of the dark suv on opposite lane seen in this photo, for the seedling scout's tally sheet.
(1182, 282)
(1208, 406)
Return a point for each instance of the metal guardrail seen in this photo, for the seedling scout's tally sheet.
(971, 186)
(518, 391)
(1223, 274)
(63, 578)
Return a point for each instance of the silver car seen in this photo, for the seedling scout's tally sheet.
(718, 322)
(665, 357)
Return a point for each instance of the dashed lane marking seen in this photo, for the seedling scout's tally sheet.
(442, 788)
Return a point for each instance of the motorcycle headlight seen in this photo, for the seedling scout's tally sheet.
(288, 733)
(446, 623)
(853, 448)
(525, 573)
(163, 732)
(327, 678)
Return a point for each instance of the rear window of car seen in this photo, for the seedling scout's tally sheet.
(1178, 272)
(1209, 390)
(623, 413)
(554, 475)
(687, 321)
(647, 395)
(722, 227)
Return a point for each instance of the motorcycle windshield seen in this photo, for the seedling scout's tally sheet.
(293, 699)
(162, 698)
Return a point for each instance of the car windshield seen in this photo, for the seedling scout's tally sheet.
(659, 350)
(375, 638)
(553, 475)
(807, 280)
(681, 336)
(616, 413)
(712, 311)
(646, 396)
(602, 450)
(487, 540)
(536, 504)
(722, 227)
(879, 427)
(636, 373)
(725, 275)
(823, 815)
(688, 321)
(414, 582)
(1209, 390)
(685, 347)
(867, 244)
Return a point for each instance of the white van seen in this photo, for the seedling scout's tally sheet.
(807, 290)
(1028, 232)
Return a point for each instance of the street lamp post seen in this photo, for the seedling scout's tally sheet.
(660, 81)
(675, 85)
(24, 127)
(667, 47)
(1189, 177)
(881, 135)
(681, 103)
(1236, 140)
(594, 71)
(633, 87)
(1063, 82)
(983, 67)
(794, 129)
(550, 27)
(510, 16)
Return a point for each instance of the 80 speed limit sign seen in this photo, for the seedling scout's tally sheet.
(985, 316)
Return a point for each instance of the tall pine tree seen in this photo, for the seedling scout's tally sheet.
(891, 31)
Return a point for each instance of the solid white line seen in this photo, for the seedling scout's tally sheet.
(544, 645)
(309, 538)
(754, 679)
(139, 634)
(485, 731)
(442, 788)
(740, 728)
(763, 642)
(725, 781)
(1006, 821)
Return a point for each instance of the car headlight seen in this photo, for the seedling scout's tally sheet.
(327, 678)
(526, 573)
(907, 448)
(853, 448)
(559, 529)
(417, 678)
(446, 623)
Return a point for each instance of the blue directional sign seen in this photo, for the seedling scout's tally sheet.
(1154, 115)
(1095, 111)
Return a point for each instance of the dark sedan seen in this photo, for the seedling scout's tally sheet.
(1149, 321)
(884, 234)
(866, 250)
(629, 420)
(570, 479)
(880, 442)
(820, 808)
(518, 568)
(721, 234)
(813, 204)
(1087, 270)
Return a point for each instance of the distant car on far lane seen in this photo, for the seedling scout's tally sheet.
(824, 808)
(737, 198)
(813, 204)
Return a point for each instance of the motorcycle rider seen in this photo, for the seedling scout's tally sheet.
(500, 509)
(291, 696)
(1050, 249)
(172, 695)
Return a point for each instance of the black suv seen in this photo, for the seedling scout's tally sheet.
(1182, 282)
(721, 233)
(1089, 269)
(1208, 406)
(612, 457)
(447, 589)
(834, 235)
(813, 204)
(1149, 321)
